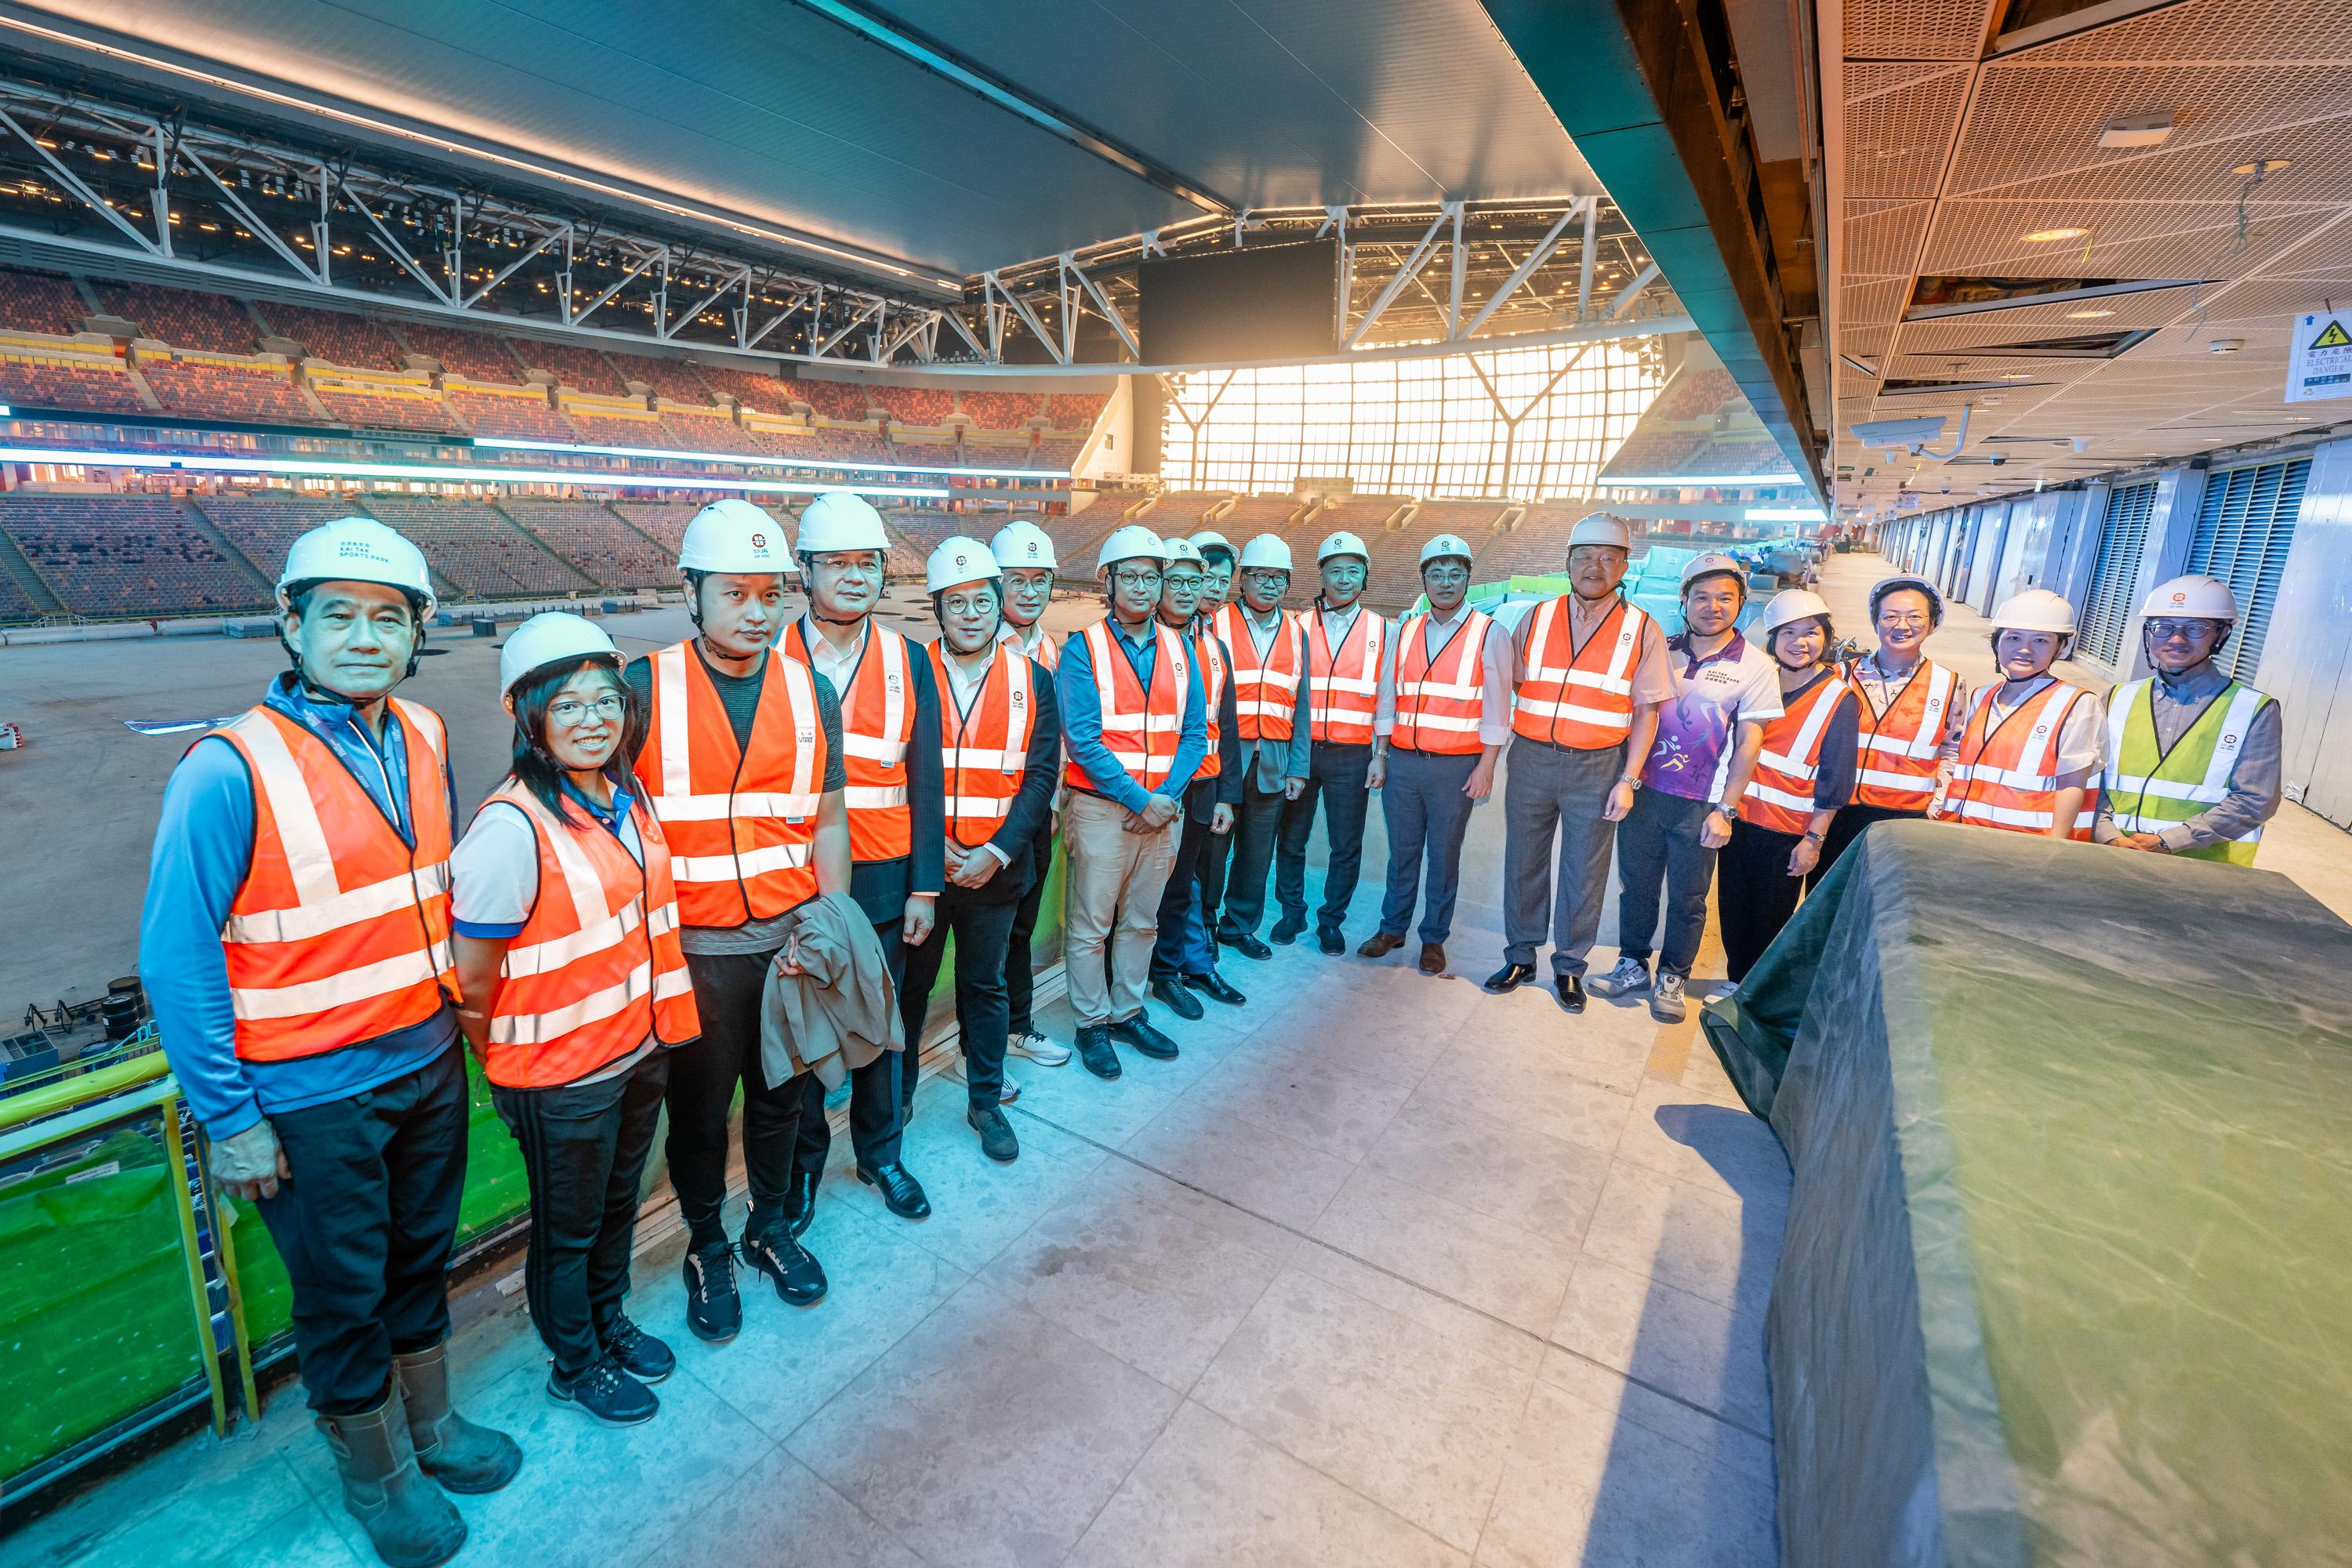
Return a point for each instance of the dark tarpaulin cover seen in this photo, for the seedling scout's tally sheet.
(2068, 1273)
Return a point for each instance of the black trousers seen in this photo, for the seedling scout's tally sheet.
(1256, 826)
(1216, 853)
(1337, 777)
(1847, 825)
(584, 1148)
(1176, 897)
(1020, 976)
(982, 930)
(1658, 846)
(1755, 895)
(365, 1226)
(879, 1092)
(703, 1077)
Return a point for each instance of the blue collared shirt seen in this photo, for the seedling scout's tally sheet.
(1081, 705)
(204, 847)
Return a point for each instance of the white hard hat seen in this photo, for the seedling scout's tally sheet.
(1904, 581)
(1601, 529)
(1133, 543)
(1343, 544)
(1789, 606)
(733, 535)
(358, 549)
(958, 560)
(1209, 538)
(549, 639)
(2195, 598)
(1184, 550)
(1444, 545)
(1267, 552)
(1715, 562)
(2035, 610)
(839, 520)
(1023, 544)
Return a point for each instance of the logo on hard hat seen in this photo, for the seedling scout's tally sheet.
(759, 541)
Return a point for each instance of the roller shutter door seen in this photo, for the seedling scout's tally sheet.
(2244, 529)
(2109, 606)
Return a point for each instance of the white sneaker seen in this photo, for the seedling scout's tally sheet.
(1045, 1052)
(1666, 1003)
(1630, 977)
(1010, 1092)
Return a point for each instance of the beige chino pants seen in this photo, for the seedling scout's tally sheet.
(1113, 881)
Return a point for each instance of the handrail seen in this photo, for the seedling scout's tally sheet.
(49, 1099)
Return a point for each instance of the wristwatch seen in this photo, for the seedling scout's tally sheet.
(1629, 780)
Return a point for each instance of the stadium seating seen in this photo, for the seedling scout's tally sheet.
(1537, 547)
(376, 405)
(205, 388)
(1077, 536)
(97, 383)
(833, 399)
(754, 390)
(925, 529)
(617, 424)
(1000, 410)
(125, 555)
(477, 356)
(671, 378)
(14, 606)
(40, 303)
(575, 366)
(477, 547)
(1250, 515)
(261, 526)
(1395, 580)
(663, 521)
(591, 538)
(336, 336)
(705, 430)
(1074, 410)
(210, 323)
(521, 415)
(926, 406)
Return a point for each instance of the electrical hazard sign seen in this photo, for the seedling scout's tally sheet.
(2319, 356)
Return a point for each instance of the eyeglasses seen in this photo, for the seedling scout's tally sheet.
(1897, 618)
(1184, 585)
(1136, 579)
(2187, 631)
(569, 712)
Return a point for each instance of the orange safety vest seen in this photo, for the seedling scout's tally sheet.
(597, 967)
(1439, 701)
(877, 723)
(1141, 729)
(1265, 692)
(2007, 776)
(339, 932)
(741, 826)
(1580, 700)
(1049, 652)
(1343, 693)
(986, 751)
(1210, 655)
(1779, 794)
(1897, 751)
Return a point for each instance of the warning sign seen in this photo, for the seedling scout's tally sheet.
(2319, 358)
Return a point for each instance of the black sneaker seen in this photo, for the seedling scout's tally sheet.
(608, 1393)
(996, 1139)
(799, 1278)
(713, 1309)
(638, 1354)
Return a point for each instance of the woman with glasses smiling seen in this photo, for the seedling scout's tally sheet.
(1911, 708)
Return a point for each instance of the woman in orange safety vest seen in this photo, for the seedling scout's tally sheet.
(2033, 743)
(574, 988)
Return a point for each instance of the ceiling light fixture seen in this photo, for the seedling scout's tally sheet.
(2130, 131)
(2089, 315)
(2226, 345)
(2050, 236)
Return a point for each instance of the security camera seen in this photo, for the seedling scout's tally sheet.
(1892, 434)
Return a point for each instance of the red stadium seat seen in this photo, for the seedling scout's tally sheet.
(833, 399)
(40, 303)
(477, 356)
(521, 415)
(671, 378)
(336, 336)
(1000, 410)
(99, 383)
(1076, 410)
(575, 366)
(209, 324)
(223, 389)
(925, 406)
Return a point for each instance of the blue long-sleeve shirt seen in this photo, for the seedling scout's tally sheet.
(1081, 704)
(204, 847)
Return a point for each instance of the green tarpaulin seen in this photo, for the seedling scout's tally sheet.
(2068, 1272)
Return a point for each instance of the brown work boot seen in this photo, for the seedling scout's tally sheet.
(1432, 958)
(463, 1456)
(1380, 944)
(408, 1520)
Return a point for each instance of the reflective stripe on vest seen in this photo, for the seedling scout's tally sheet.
(740, 825)
(2008, 778)
(1265, 692)
(339, 932)
(1209, 656)
(1896, 753)
(1440, 701)
(1779, 794)
(597, 965)
(1582, 701)
(877, 721)
(986, 750)
(1140, 729)
(2148, 789)
(1343, 692)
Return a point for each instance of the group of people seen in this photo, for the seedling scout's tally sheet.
(734, 865)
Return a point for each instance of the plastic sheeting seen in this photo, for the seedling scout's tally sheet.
(2068, 1272)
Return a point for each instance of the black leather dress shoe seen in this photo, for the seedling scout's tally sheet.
(1511, 977)
(1145, 1038)
(1181, 1002)
(1570, 989)
(1285, 930)
(1329, 939)
(1247, 946)
(901, 1194)
(799, 1278)
(800, 1201)
(1095, 1050)
(1215, 987)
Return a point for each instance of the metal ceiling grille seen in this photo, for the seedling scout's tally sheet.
(2244, 529)
(2108, 609)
